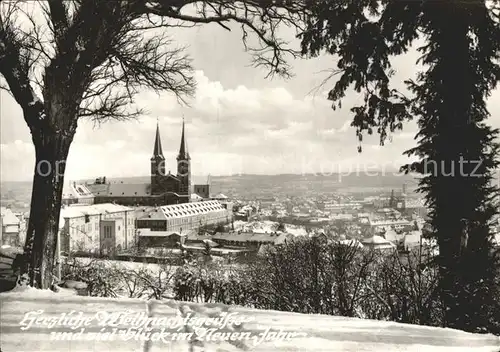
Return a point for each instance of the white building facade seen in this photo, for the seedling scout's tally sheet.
(189, 216)
(99, 228)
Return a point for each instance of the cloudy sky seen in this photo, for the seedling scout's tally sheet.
(238, 122)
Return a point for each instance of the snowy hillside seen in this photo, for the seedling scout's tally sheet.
(309, 332)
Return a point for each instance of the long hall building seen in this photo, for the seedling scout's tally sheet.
(183, 217)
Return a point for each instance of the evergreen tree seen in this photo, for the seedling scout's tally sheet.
(457, 150)
(207, 252)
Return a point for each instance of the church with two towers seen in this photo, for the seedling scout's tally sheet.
(164, 189)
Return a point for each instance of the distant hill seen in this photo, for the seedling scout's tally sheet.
(248, 186)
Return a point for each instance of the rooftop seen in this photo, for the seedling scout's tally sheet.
(77, 210)
(377, 240)
(219, 196)
(275, 238)
(190, 209)
(8, 217)
(149, 233)
(121, 189)
(150, 213)
(76, 190)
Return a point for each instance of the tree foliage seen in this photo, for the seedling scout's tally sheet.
(315, 276)
(456, 149)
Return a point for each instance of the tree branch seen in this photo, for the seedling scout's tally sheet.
(262, 17)
(15, 64)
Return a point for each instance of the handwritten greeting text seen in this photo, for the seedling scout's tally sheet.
(138, 326)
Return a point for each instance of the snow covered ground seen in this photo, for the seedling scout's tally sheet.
(22, 328)
(126, 264)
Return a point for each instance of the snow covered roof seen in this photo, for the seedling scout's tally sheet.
(219, 196)
(388, 222)
(210, 242)
(149, 233)
(377, 240)
(351, 242)
(79, 210)
(190, 209)
(126, 190)
(195, 197)
(8, 217)
(76, 190)
(149, 213)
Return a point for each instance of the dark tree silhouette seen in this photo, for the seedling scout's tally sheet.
(207, 252)
(457, 150)
(90, 58)
(280, 227)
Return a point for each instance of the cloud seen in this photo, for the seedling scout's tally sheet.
(238, 122)
(229, 131)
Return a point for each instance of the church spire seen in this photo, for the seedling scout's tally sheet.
(157, 148)
(183, 151)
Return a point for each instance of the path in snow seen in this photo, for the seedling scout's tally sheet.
(319, 332)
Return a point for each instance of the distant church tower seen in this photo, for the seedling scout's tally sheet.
(157, 164)
(184, 166)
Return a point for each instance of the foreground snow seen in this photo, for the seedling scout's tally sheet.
(310, 332)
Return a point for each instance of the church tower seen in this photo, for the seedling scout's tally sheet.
(157, 165)
(184, 166)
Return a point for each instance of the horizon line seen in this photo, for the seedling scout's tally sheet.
(318, 174)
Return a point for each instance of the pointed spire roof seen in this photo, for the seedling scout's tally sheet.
(157, 151)
(183, 150)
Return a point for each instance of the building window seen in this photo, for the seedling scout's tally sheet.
(87, 218)
(107, 232)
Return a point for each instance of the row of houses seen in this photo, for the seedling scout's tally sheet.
(163, 226)
(111, 228)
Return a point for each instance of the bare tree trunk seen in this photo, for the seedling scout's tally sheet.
(51, 148)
